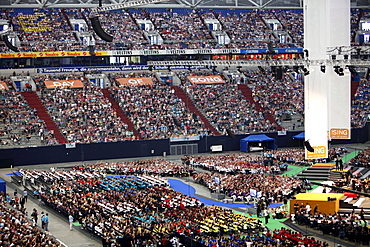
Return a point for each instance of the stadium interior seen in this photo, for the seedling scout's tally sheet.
(175, 123)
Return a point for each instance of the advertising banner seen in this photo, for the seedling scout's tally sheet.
(135, 81)
(63, 84)
(212, 79)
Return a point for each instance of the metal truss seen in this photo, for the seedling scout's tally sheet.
(265, 63)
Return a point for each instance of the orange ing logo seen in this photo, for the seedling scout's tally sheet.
(339, 133)
(319, 152)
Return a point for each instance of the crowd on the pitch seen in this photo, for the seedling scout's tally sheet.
(142, 210)
(16, 229)
(351, 226)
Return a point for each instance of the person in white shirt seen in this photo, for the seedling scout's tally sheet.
(70, 219)
(308, 208)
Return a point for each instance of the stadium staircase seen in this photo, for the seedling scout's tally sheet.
(34, 102)
(247, 93)
(315, 173)
(121, 114)
(190, 105)
(349, 204)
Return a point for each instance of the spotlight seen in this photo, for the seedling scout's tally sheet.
(345, 57)
(339, 70)
(169, 68)
(323, 68)
(333, 57)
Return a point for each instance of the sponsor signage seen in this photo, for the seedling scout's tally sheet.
(212, 79)
(146, 52)
(52, 54)
(320, 152)
(135, 81)
(3, 86)
(63, 84)
(184, 138)
(113, 68)
(337, 133)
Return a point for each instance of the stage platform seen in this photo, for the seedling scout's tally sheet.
(321, 199)
(323, 165)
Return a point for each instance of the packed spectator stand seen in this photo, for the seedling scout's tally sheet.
(52, 29)
(223, 105)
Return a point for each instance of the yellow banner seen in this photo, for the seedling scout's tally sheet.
(52, 54)
(318, 153)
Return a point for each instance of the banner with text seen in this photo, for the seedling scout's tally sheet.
(52, 54)
(146, 52)
(211, 79)
(3, 86)
(96, 69)
(63, 84)
(135, 81)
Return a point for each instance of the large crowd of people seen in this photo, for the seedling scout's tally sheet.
(277, 97)
(155, 110)
(16, 229)
(142, 209)
(51, 29)
(351, 226)
(20, 125)
(85, 115)
(226, 108)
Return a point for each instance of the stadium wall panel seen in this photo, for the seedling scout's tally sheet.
(145, 148)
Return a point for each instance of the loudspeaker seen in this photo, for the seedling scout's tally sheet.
(308, 146)
(8, 44)
(279, 73)
(99, 30)
(91, 50)
(230, 133)
(270, 48)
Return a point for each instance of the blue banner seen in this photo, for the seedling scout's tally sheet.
(277, 50)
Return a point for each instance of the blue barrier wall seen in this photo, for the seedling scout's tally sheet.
(145, 148)
(2, 186)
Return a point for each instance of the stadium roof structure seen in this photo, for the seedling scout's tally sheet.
(242, 4)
